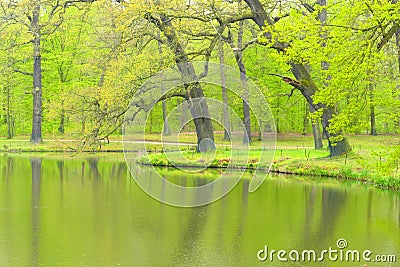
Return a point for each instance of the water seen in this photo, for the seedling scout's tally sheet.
(90, 212)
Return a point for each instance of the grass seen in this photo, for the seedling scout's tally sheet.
(21, 144)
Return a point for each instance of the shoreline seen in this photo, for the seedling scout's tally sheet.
(294, 155)
(278, 167)
(336, 176)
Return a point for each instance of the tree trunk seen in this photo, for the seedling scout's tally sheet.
(317, 136)
(373, 126)
(150, 116)
(198, 107)
(243, 78)
(278, 129)
(397, 35)
(227, 124)
(83, 129)
(8, 114)
(398, 46)
(305, 119)
(322, 16)
(260, 124)
(12, 126)
(372, 109)
(36, 136)
(201, 117)
(61, 128)
(304, 82)
(316, 131)
(182, 112)
(339, 147)
(166, 129)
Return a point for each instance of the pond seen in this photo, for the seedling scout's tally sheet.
(57, 211)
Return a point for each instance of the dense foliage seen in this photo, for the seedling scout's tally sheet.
(96, 54)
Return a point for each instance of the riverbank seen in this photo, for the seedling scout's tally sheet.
(294, 155)
(347, 167)
(57, 144)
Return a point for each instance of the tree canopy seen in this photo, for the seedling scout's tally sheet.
(331, 63)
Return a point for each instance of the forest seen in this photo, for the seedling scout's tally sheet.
(330, 68)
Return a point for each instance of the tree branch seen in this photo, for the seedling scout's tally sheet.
(388, 35)
(296, 84)
(23, 72)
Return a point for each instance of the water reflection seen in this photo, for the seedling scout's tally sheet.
(60, 166)
(94, 168)
(369, 211)
(310, 195)
(243, 208)
(332, 202)
(190, 238)
(9, 168)
(102, 218)
(36, 167)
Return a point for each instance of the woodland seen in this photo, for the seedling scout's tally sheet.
(327, 68)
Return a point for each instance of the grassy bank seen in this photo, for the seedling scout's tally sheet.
(294, 155)
(21, 144)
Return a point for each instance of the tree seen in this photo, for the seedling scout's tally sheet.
(322, 16)
(372, 110)
(61, 51)
(238, 51)
(6, 97)
(166, 129)
(40, 19)
(35, 28)
(227, 123)
(13, 56)
(198, 109)
(302, 82)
